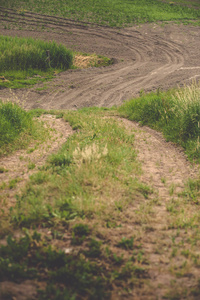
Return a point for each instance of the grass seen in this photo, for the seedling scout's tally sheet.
(17, 129)
(67, 276)
(14, 123)
(72, 192)
(25, 61)
(28, 53)
(175, 113)
(88, 228)
(112, 12)
(73, 183)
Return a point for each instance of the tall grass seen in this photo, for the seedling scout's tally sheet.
(175, 113)
(23, 54)
(13, 121)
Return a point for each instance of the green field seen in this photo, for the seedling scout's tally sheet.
(112, 12)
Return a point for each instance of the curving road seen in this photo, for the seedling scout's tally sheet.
(146, 57)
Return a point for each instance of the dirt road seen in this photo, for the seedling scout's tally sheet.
(146, 57)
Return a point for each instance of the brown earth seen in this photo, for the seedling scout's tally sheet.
(147, 57)
(23, 163)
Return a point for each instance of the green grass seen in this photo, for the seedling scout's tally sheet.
(175, 113)
(16, 79)
(28, 53)
(13, 122)
(24, 62)
(73, 183)
(86, 225)
(71, 191)
(112, 12)
(67, 276)
(17, 128)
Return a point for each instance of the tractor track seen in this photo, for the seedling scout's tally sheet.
(146, 57)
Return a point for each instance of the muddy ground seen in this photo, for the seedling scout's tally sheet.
(146, 57)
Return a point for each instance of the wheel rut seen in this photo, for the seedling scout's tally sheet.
(146, 57)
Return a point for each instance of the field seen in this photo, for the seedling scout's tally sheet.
(99, 166)
(112, 12)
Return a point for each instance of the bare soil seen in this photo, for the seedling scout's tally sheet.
(146, 57)
(23, 163)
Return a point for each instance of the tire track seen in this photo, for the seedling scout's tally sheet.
(147, 58)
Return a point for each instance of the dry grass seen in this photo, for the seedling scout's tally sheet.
(82, 61)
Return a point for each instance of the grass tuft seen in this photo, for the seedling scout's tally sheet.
(175, 113)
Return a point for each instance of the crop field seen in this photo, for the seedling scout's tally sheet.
(111, 12)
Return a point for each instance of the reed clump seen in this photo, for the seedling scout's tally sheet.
(23, 54)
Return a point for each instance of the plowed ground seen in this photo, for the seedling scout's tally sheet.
(146, 57)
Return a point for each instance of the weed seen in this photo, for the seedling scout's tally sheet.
(31, 166)
(79, 233)
(192, 191)
(126, 244)
(12, 183)
(175, 113)
(22, 54)
(3, 169)
(13, 121)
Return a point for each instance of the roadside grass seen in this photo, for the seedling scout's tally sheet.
(176, 113)
(87, 185)
(24, 53)
(25, 62)
(17, 128)
(113, 12)
(87, 227)
(93, 166)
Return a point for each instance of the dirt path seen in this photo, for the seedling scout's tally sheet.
(23, 163)
(146, 57)
(159, 223)
(163, 223)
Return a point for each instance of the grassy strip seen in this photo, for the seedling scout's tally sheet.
(13, 120)
(71, 276)
(24, 62)
(17, 79)
(14, 123)
(92, 166)
(23, 54)
(112, 12)
(17, 128)
(175, 113)
(92, 179)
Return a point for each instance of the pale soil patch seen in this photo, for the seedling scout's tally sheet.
(23, 163)
(166, 169)
(84, 62)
